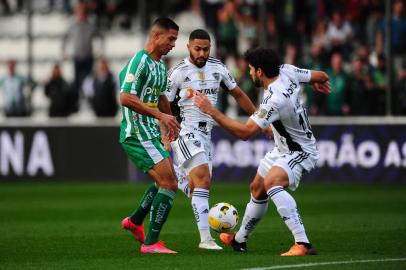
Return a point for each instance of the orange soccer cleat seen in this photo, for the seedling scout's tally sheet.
(299, 250)
(229, 239)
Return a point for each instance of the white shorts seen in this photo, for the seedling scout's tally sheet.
(187, 148)
(295, 164)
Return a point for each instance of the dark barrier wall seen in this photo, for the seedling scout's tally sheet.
(61, 153)
(348, 153)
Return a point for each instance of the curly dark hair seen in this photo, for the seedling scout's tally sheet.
(199, 34)
(265, 59)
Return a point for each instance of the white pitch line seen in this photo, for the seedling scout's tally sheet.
(324, 263)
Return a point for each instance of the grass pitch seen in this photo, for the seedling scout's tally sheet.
(77, 226)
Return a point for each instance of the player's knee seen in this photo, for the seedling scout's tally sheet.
(271, 182)
(257, 191)
(169, 185)
(168, 181)
(203, 182)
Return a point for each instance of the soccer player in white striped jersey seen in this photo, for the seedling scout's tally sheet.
(295, 152)
(199, 73)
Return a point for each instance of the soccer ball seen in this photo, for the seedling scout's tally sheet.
(223, 217)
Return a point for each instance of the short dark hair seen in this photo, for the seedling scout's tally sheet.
(166, 23)
(199, 34)
(265, 59)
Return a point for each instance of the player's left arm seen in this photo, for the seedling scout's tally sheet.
(242, 131)
(319, 81)
(243, 100)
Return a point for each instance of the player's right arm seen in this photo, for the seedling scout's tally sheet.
(242, 131)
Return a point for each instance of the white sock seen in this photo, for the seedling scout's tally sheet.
(200, 206)
(287, 209)
(254, 212)
(183, 183)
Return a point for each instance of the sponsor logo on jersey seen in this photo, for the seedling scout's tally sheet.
(269, 114)
(230, 77)
(152, 91)
(208, 91)
(201, 75)
(151, 67)
(261, 113)
(187, 79)
(197, 143)
(130, 78)
(301, 71)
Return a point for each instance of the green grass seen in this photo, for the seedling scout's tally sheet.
(77, 226)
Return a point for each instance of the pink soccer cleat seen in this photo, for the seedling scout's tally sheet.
(136, 230)
(158, 247)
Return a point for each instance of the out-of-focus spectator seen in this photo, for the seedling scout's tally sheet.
(6, 6)
(244, 81)
(335, 103)
(228, 30)
(249, 28)
(401, 86)
(359, 87)
(377, 95)
(101, 89)
(59, 93)
(16, 91)
(339, 34)
(66, 6)
(363, 55)
(315, 62)
(319, 35)
(209, 10)
(82, 34)
(291, 54)
(398, 34)
(272, 31)
(372, 26)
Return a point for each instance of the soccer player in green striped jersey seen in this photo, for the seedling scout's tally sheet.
(142, 87)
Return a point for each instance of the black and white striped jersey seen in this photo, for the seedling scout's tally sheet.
(185, 78)
(282, 108)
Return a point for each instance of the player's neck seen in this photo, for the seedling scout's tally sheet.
(267, 81)
(151, 50)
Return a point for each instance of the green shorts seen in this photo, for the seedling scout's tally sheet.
(145, 154)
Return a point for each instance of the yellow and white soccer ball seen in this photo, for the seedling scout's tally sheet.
(223, 217)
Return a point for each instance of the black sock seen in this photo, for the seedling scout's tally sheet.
(307, 245)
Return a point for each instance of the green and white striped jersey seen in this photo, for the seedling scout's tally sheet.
(146, 78)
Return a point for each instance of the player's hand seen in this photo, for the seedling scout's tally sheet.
(166, 143)
(202, 101)
(170, 122)
(322, 87)
(172, 136)
(268, 132)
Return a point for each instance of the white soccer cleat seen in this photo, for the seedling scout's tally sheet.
(209, 244)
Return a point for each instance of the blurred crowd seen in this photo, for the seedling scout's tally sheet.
(347, 39)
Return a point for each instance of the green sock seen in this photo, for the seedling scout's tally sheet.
(161, 206)
(145, 204)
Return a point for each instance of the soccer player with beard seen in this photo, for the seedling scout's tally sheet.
(199, 73)
(295, 152)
